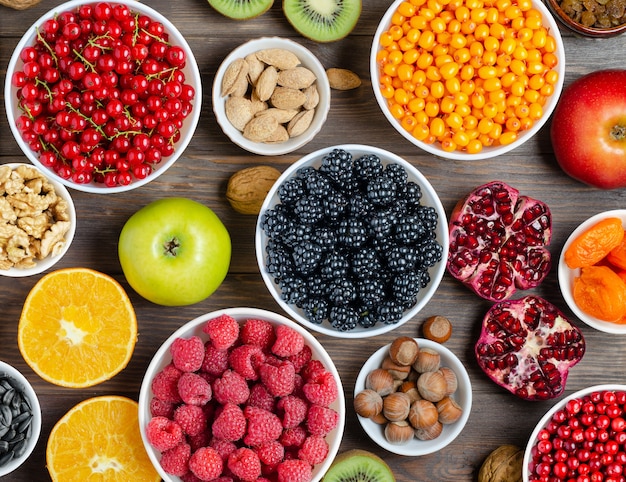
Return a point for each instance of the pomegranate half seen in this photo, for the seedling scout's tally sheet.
(498, 241)
(528, 346)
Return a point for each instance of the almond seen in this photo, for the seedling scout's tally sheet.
(260, 128)
(300, 123)
(238, 111)
(278, 136)
(286, 98)
(266, 83)
(296, 78)
(248, 188)
(280, 58)
(255, 67)
(233, 74)
(342, 79)
(312, 97)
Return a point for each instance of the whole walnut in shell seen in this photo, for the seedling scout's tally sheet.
(504, 464)
(248, 188)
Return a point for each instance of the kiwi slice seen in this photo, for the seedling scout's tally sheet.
(241, 9)
(359, 465)
(323, 20)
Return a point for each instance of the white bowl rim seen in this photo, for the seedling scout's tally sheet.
(239, 313)
(47, 263)
(556, 407)
(487, 152)
(436, 273)
(450, 432)
(566, 275)
(29, 392)
(321, 112)
(191, 122)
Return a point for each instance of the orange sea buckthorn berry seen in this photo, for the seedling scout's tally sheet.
(448, 144)
(405, 72)
(526, 123)
(547, 90)
(419, 77)
(513, 124)
(405, 44)
(387, 91)
(416, 104)
(408, 122)
(420, 132)
(474, 146)
(453, 85)
(397, 18)
(396, 110)
(406, 9)
(535, 111)
(432, 109)
(462, 14)
(437, 127)
(507, 138)
(422, 91)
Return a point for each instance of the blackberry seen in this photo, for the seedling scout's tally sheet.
(317, 286)
(389, 312)
(429, 252)
(341, 292)
(309, 209)
(318, 183)
(359, 206)
(276, 222)
(401, 259)
(291, 190)
(278, 262)
(412, 194)
(293, 289)
(334, 266)
(337, 164)
(335, 205)
(365, 263)
(367, 319)
(299, 233)
(409, 229)
(352, 233)
(425, 280)
(381, 191)
(316, 310)
(429, 216)
(381, 223)
(306, 257)
(326, 237)
(406, 286)
(370, 292)
(343, 318)
(367, 167)
(397, 174)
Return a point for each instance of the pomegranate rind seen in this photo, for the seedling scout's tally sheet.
(498, 241)
(528, 346)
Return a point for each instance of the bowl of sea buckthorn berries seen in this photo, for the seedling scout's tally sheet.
(467, 80)
(103, 96)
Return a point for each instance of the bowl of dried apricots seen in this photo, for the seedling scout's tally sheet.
(467, 81)
(592, 271)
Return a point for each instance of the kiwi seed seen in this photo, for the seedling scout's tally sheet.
(241, 9)
(323, 20)
(359, 465)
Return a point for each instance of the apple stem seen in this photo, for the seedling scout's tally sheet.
(618, 132)
(171, 247)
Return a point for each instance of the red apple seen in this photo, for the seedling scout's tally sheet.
(589, 129)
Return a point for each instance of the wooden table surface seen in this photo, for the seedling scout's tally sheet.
(201, 173)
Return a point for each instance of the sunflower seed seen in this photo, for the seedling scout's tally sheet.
(20, 448)
(4, 446)
(6, 458)
(8, 396)
(6, 415)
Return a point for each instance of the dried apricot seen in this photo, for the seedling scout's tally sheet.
(601, 293)
(595, 243)
(617, 256)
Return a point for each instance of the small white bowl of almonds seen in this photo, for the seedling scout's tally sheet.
(37, 220)
(413, 396)
(271, 96)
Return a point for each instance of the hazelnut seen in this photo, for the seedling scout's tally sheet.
(429, 433)
(368, 403)
(379, 419)
(428, 360)
(396, 406)
(403, 350)
(432, 386)
(410, 388)
(437, 328)
(399, 432)
(451, 379)
(381, 381)
(399, 372)
(423, 414)
(449, 410)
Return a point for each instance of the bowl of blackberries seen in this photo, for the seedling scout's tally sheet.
(351, 241)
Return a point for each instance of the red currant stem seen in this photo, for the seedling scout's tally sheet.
(155, 37)
(45, 86)
(84, 60)
(136, 32)
(94, 42)
(47, 46)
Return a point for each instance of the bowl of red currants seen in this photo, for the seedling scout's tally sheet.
(103, 96)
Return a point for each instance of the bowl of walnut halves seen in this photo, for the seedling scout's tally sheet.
(37, 220)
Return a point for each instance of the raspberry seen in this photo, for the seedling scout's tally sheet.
(231, 387)
(321, 420)
(288, 342)
(258, 332)
(245, 464)
(294, 470)
(260, 397)
(311, 368)
(271, 454)
(165, 384)
(300, 359)
(279, 380)
(314, 450)
(215, 361)
(293, 437)
(200, 440)
(191, 419)
(230, 423)
(161, 408)
(263, 426)
(187, 354)
(194, 389)
(175, 461)
(294, 410)
(321, 389)
(223, 447)
(223, 331)
(245, 360)
(206, 463)
(191, 477)
(163, 433)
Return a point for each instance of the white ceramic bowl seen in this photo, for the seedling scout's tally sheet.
(416, 447)
(487, 152)
(309, 61)
(50, 261)
(429, 198)
(162, 357)
(567, 275)
(21, 384)
(526, 464)
(192, 75)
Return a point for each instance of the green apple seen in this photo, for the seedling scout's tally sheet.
(174, 251)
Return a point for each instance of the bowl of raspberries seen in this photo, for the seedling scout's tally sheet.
(351, 241)
(242, 393)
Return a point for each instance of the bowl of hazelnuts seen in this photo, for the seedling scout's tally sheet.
(413, 396)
